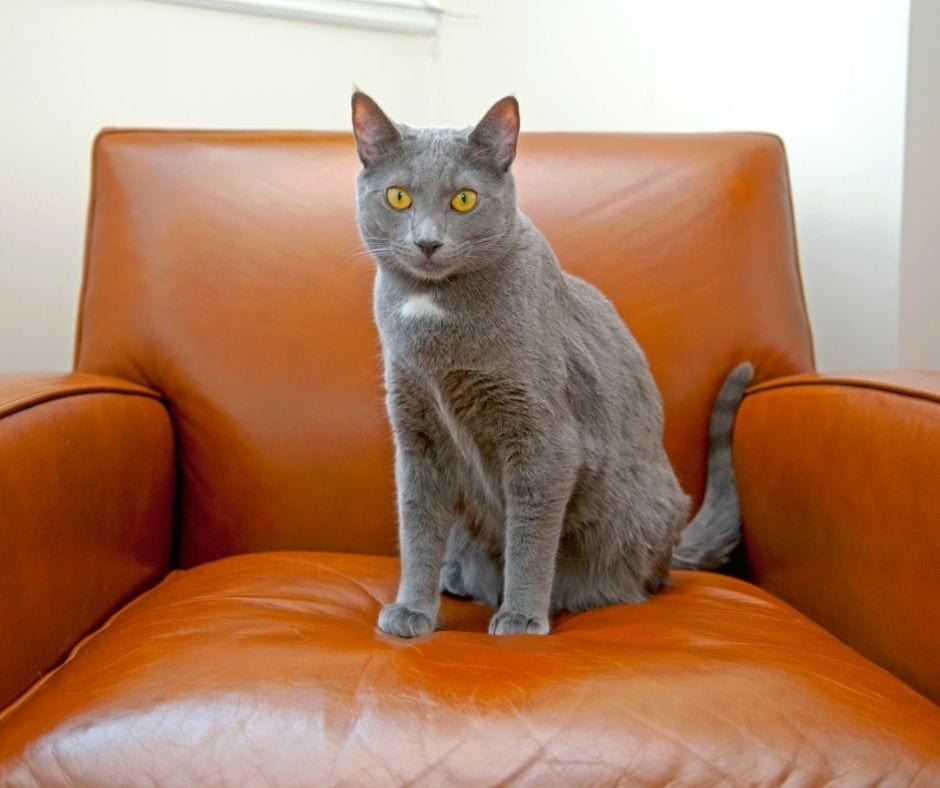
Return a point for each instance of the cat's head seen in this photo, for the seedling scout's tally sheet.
(433, 202)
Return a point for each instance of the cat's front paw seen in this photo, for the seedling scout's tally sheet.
(403, 622)
(507, 622)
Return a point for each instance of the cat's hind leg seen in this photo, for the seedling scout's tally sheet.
(469, 570)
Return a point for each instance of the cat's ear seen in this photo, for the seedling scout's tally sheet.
(498, 131)
(375, 134)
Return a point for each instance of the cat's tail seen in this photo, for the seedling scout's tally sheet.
(715, 531)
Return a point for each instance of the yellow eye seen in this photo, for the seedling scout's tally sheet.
(464, 200)
(398, 198)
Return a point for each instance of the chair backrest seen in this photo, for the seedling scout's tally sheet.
(224, 270)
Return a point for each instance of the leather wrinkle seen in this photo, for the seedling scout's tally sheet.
(420, 681)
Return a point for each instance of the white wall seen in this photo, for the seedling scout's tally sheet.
(829, 77)
(67, 68)
(919, 339)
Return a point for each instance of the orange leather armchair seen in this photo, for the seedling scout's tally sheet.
(197, 524)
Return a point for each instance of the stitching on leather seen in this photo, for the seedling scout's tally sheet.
(837, 383)
(52, 394)
(89, 234)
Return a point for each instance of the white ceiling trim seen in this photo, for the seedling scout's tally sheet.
(397, 16)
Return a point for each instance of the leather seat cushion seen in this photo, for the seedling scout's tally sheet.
(267, 669)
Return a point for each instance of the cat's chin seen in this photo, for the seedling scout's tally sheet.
(431, 273)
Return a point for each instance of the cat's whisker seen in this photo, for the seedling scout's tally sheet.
(360, 254)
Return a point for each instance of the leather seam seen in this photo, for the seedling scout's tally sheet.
(797, 265)
(869, 385)
(32, 400)
(86, 259)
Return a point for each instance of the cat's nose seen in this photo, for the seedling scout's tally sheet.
(429, 247)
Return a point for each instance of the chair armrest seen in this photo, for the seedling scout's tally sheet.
(839, 478)
(87, 482)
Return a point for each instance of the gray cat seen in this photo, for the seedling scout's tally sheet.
(529, 460)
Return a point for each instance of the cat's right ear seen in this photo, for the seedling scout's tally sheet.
(375, 133)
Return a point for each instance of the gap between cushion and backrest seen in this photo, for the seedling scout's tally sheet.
(224, 270)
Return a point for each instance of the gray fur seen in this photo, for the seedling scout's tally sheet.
(529, 461)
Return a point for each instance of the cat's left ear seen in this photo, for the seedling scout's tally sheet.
(375, 133)
(498, 131)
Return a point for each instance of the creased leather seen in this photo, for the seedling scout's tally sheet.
(839, 478)
(86, 497)
(268, 669)
(225, 271)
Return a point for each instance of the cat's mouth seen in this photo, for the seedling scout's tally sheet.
(432, 270)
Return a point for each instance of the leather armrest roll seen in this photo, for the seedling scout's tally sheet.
(87, 476)
(839, 477)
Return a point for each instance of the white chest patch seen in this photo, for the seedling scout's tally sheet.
(421, 305)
